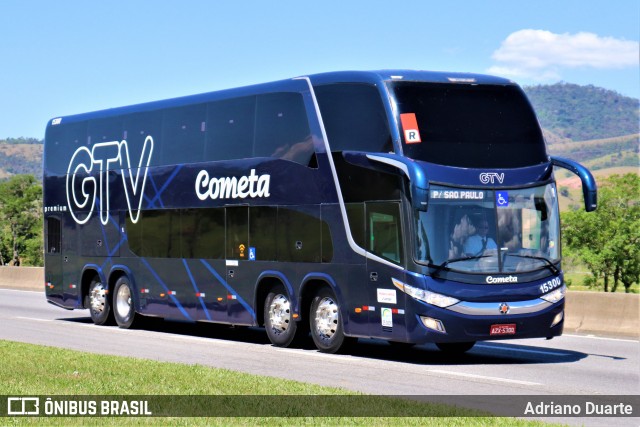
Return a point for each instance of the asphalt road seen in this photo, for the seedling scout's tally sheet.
(567, 365)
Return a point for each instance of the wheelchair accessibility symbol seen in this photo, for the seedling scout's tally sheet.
(252, 254)
(502, 199)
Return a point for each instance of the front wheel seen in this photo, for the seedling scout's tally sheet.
(326, 322)
(123, 307)
(455, 347)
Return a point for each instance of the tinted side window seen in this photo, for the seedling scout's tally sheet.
(203, 233)
(384, 236)
(354, 117)
(61, 142)
(105, 130)
(282, 128)
(136, 129)
(262, 232)
(355, 216)
(183, 131)
(160, 234)
(238, 233)
(230, 129)
(54, 236)
(299, 236)
(361, 184)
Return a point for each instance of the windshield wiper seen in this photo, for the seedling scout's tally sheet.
(549, 265)
(464, 258)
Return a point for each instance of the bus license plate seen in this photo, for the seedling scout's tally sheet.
(503, 329)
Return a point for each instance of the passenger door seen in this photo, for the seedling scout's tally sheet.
(238, 272)
(384, 240)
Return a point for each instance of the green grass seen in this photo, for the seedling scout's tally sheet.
(29, 370)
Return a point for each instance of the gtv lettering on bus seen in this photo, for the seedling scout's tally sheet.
(81, 198)
(232, 187)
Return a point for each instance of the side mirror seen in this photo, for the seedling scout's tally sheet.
(589, 186)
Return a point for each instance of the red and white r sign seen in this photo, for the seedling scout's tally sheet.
(410, 128)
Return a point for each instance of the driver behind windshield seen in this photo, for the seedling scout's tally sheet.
(477, 243)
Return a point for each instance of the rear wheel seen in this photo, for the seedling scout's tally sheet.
(99, 305)
(455, 347)
(278, 317)
(123, 306)
(326, 322)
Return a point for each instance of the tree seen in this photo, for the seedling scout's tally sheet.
(21, 216)
(608, 240)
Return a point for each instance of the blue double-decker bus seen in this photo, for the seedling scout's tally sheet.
(401, 205)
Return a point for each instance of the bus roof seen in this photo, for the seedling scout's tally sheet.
(371, 77)
(405, 75)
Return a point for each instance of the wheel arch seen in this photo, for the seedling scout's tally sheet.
(311, 284)
(266, 281)
(118, 271)
(86, 276)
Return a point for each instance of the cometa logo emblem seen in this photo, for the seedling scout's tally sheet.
(504, 308)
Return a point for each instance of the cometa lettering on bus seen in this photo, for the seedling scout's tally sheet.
(232, 187)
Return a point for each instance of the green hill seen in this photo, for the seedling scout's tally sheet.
(581, 113)
(20, 156)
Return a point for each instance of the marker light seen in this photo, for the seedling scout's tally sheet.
(555, 295)
(426, 296)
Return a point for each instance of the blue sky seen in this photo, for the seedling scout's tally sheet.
(66, 57)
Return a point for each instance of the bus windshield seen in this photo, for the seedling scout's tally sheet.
(489, 231)
(465, 125)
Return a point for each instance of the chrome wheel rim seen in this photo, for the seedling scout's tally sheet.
(123, 301)
(280, 313)
(327, 316)
(98, 298)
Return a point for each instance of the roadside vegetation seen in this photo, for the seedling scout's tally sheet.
(31, 370)
(21, 241)
(607, 241)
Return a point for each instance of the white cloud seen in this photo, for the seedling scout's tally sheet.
(542, 55)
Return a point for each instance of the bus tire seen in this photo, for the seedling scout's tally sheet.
(99, 305)
(278, 317)
(326, 323)
(455, 347)
(124, 309)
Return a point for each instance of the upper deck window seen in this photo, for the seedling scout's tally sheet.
(266, 125)
(476, 126)
(354, 117)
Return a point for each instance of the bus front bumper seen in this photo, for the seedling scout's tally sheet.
(469, 321)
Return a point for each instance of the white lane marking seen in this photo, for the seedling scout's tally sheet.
(522, 350)
(166, 336)
(22, 290)
(35, 319)
(594, 337)
(482, 377)
(315, 354)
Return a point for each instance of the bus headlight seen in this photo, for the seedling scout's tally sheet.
(556, 295)
(426, 296)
